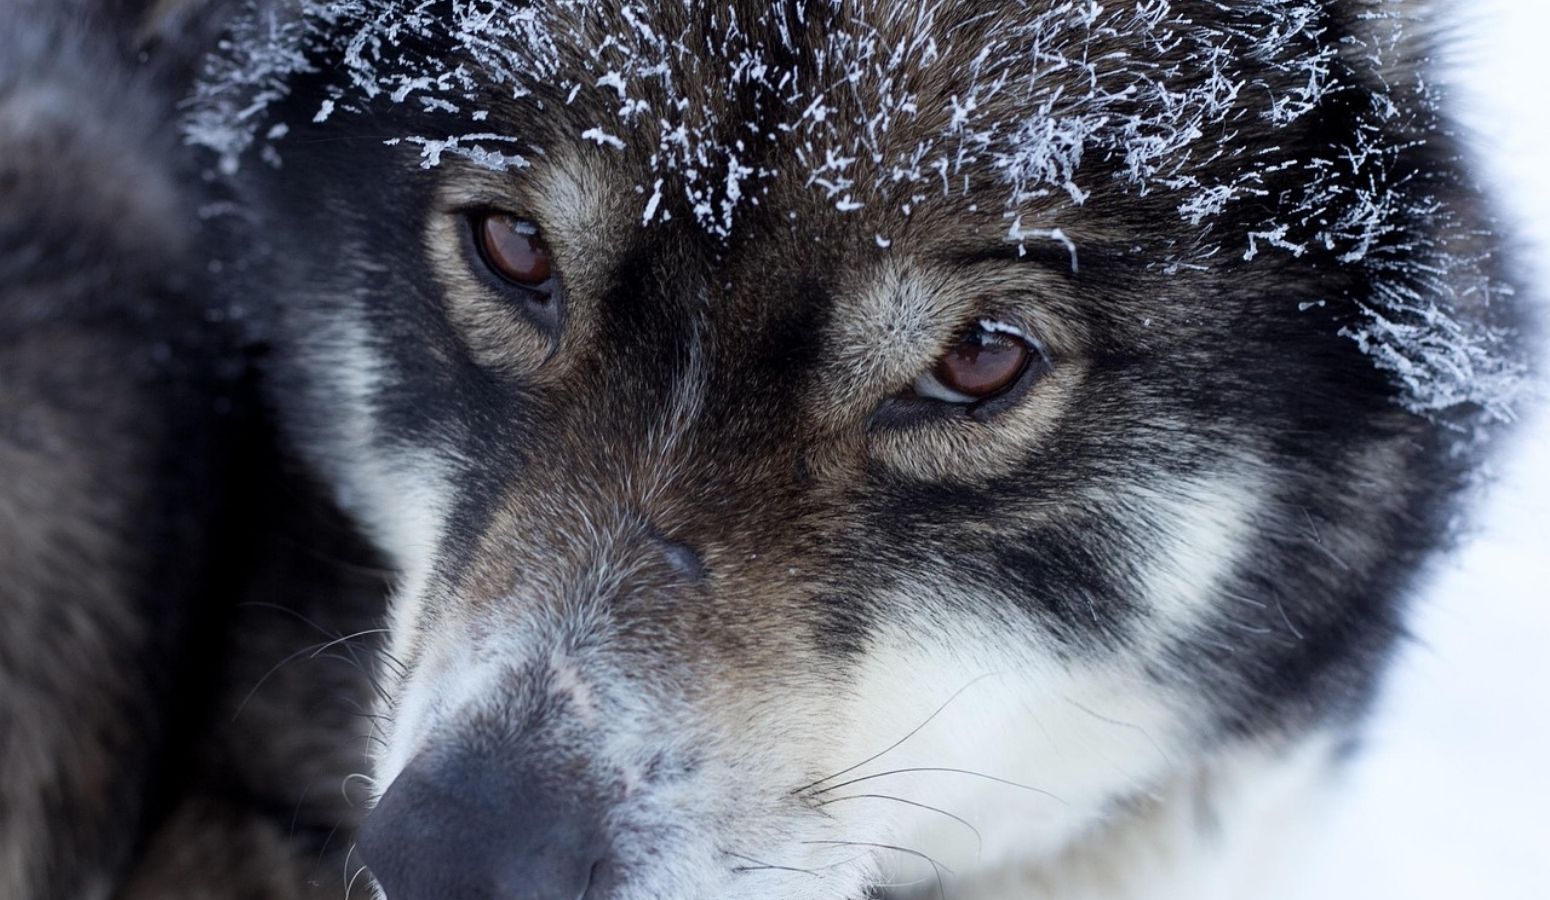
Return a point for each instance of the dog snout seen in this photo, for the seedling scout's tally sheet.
(473, 826)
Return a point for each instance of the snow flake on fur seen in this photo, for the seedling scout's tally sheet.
(1058, 102)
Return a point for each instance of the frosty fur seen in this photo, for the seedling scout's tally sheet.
(1075, 99)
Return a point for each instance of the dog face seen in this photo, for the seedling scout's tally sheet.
(822, 439)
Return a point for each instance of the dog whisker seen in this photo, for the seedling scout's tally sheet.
(263, 604)
(945, 770)
(344, 786)
(978, 837)
(1120, 723)
(270, 674)
(815, 870)
(296, 813)
(328, 839)
(398, 666)
(312, 623)
(936, 867)
(350, 885)
(896, 744)
(350, 637)
(349, 880)
(760, 865)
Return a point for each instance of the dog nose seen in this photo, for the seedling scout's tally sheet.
(473, 827)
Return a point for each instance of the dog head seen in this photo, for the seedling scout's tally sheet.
(821, 438)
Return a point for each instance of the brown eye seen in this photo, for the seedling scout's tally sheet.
(984, 363)
(981, 375)
(513, 249)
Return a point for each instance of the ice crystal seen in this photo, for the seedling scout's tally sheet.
(1057, 103)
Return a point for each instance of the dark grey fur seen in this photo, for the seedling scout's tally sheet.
(99, 505)
(154, 564)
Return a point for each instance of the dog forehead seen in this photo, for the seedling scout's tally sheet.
(732, 108)
(1178, 121)
(772, 144)
(723, 112)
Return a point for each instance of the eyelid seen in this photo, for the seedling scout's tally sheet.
(926, 384)
(997, 326)
(927, 397)
(483, 202)
(1040, 354)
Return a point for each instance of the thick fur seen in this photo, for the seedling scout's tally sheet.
(684, 553)
(105, 419)
(1075, 625)
(155, 563)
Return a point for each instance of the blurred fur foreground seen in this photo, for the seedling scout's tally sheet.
(157, 556)
(814, 450)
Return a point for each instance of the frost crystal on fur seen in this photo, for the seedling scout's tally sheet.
(1168, 102)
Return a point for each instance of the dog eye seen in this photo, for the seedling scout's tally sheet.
(985, 362)
(513, 249)
(982, 374)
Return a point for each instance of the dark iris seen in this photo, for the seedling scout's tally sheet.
(983, 363)
(513, 249)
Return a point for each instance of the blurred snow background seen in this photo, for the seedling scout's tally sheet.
(1452, 796)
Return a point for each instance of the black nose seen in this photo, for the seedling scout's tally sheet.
(472, 826)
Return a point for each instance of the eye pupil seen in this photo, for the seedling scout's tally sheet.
(983, 364)
(513, 249)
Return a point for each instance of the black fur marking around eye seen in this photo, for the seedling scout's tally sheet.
(843, 624)
(1078, 589)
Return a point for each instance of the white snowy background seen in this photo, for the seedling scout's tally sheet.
(1451, 798)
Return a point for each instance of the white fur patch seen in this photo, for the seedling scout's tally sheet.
(1027, 749)
(400, 500)
(1199, 527)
